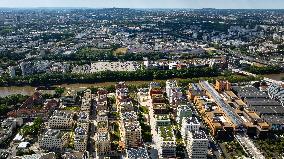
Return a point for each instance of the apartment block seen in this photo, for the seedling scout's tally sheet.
(54, 139)
(197, 145)
(61, 120)
(133, 136)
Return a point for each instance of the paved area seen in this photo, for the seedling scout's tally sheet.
(249, 146)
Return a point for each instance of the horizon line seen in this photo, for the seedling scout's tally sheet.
(34, 7)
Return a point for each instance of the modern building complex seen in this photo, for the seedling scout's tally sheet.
(189, 125)
(61, 120)
(54, 139)
(197, 145)
(133, 138)
(80, 139)
(195, 83)
(166, 142)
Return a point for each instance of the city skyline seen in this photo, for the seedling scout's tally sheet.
(222, 4)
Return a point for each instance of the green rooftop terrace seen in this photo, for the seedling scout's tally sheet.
(166, 132)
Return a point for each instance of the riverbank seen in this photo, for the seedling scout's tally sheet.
(29, 90)
(277, 77)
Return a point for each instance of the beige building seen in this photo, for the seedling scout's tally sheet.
(103, 144)
(53, 139)
(132, 134)
(83, 120)
(61, 120)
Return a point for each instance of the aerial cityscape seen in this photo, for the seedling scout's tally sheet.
(141, 80)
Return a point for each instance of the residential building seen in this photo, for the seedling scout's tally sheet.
(133, 136)
(166, 142)
(7, 127)
(103, 143)
(138, 153)
(61, 120)
(50, 155)
(83, 120)
(197, 145)
(223, 85)
(173, 92)
(183, 111)
(80, 139)
(188, 125)
(162, 120)
(54, 139)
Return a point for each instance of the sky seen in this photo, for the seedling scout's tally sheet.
(234, 4)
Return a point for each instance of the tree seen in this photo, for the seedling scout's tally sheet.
(59, 90)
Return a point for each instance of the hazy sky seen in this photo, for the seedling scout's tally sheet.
(269, 4)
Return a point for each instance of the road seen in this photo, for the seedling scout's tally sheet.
(249, 146)
(154, 149)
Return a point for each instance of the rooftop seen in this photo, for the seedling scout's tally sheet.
(192, 120)
(166, 132)
(137, 153)
(103, 136)
(132, 126)
(199, 135)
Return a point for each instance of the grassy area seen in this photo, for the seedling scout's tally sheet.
(120, 51)
(271, 148)
(72, 108)
(102, 124)
(233, 149)
(144, 109)
(167, 133)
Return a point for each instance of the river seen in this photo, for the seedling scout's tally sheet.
(28, 90)
(277, 77)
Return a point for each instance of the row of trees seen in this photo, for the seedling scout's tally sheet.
(109, 76)
(264, 69)
(89, 54)
(230, 78)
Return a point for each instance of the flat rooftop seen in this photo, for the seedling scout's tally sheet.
(166, 132)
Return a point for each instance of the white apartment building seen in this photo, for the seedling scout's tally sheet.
(197, 145)
(126, 106)
(173, 91)
(7, 127)
(86, 101)
(188, 125)
(83, 120)
(80, 139)
(61, 120)
(115, 66)
(53, 139)
(183, 111)
(86, 104)
(133, 136)
(166, 142)
(129, 116)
